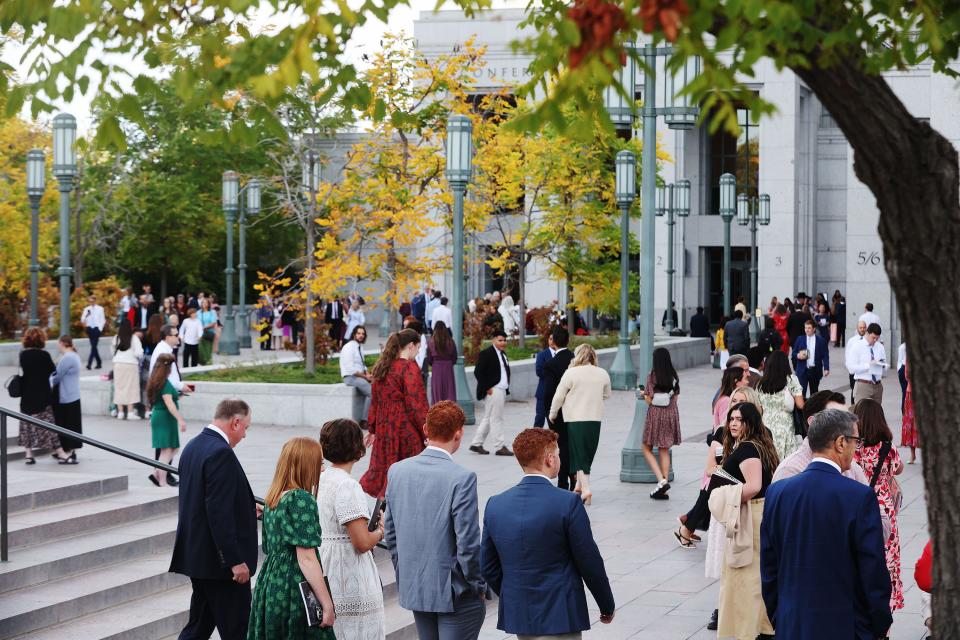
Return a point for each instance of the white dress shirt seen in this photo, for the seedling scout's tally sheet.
(174, 377)
(860, 358)
(504, 380)
(217, 430)
(351, 359)
(901, 356)
(827, 461)
(442, 314)
(422, 351)
(191, 331)
(93, 317)
(870, 318)
(439, 449)
(811, 349)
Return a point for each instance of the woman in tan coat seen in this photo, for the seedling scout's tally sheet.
(580, 394)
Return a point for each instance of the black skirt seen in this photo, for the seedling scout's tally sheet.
(68, 417)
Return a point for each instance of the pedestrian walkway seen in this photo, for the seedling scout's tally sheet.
(660, 589)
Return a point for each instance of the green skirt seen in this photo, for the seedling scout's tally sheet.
(583, 438)
(164, 429)
(205, 352)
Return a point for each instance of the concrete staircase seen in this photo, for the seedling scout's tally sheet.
(89, 558)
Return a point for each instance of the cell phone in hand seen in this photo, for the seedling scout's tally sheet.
(378, 509)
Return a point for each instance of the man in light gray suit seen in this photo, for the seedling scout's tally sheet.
(433, 533)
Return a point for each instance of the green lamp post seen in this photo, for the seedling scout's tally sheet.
(36, 185)
(622, 373)
(728, 194)
(65, 170)
(249, 205)
(672, 200)
(229, 346)
(459, 170)
(753, 211)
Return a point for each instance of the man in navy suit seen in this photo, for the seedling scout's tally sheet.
(543, 358)
(811, 358)
(538, 550)
(216, 543)
(823, 573)
(552, 373)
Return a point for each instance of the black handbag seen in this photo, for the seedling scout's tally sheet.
(311, 604)
(14, 385)
(799, 424)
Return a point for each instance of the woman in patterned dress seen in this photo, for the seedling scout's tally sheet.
(662, 426)
(908, 432)
(875, 432)
(36, 399)
(398, 409)
(291, 535)
(780, 393)
(346, 550)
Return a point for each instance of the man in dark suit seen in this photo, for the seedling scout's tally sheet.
(543, 358)
(538, 550)
(216, 543)
(795, 323)
(736, 334)
(811, 358)
(142, 314)
(823, 573)
(333, 316)
(700, 327)
(493, 386)
(552, 372)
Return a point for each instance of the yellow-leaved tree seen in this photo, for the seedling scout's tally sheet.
(382, 219)
(16, 139)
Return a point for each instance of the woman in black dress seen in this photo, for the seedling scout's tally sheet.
(36, 400)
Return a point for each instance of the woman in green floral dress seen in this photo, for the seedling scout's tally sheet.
(291, 535)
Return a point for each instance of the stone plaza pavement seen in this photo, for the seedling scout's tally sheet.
(660, 588)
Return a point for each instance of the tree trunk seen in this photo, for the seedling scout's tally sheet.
(914, 173)
(521, 284)
(163, 284)
(311, 364)
(571, 310)
(392, 294)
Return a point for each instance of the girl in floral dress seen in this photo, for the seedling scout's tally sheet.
(875, 432)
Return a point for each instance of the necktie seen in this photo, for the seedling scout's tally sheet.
(872, 377)
(506, 365)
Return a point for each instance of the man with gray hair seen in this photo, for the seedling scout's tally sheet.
(822, 567)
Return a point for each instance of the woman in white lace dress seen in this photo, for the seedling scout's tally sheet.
(345, 549)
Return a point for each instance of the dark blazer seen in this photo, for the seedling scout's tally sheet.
(487, 371)
(736, 335)
(141, 317)
(536, 554)
(543, 358)
(552, 373)
(328, 312)
(699, 326)
(217, 527)
(820, 359)
(36, 365)
(823, 573)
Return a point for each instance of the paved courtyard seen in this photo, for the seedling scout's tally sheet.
(660, 588)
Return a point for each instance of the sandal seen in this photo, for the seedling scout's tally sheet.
(684, 541)
(683, 523)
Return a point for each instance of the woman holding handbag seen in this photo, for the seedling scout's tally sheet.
(880, 461)
(36, 400)
(780, 394)
(662, 426)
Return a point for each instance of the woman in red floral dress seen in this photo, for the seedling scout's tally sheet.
(875, 432)
(398, 409)
(908, 433)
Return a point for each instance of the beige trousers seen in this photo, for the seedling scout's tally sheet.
(863, 390)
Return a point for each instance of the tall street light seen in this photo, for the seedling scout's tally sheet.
(251, 205)
(728, 195)
(65, 170)
(679, 113)
(672, 200)
(36, 185)
(231, 194)
(622, 373)
(312, 168)
(753, 210)
(459, 171)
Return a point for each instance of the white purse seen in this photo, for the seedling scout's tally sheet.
(661, 399)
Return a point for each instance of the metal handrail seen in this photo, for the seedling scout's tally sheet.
(93, 442)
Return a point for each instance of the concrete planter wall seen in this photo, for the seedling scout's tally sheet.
(10, 351)
(305, 405)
